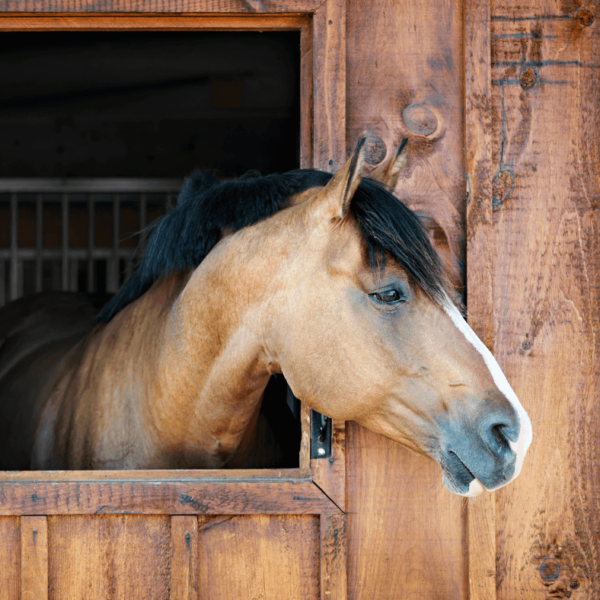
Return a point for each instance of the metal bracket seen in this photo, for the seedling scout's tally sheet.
(320, 435)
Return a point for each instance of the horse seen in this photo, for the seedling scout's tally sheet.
(329, 280)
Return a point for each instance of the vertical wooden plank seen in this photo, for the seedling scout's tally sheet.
(259, 557)
(110, 556)
(406, 533)
(329, 88)
(480, 261)
(10, 558)
(184, 557)
(330, 473)
(34, 558)
(306, 97)
(546, 200)
(304, 462)
(333, 557)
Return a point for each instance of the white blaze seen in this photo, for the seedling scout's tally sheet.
(521, 446)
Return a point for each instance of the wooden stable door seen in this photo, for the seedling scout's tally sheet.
(499, 101)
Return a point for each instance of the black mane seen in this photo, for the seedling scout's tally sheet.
(180, 240)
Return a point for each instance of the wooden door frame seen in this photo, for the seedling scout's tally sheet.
(318, 486)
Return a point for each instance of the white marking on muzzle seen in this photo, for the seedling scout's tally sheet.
(521, 446)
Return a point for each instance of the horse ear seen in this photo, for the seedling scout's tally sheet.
(389, 171)
(341, 188)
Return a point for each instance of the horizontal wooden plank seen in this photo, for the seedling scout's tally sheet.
(152, 23)
(160, 6)
(96, 185)
(240, 475)
(163, 497)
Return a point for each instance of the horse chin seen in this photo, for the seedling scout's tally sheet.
(472, 491)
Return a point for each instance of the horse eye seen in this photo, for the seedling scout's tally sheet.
(389, 296)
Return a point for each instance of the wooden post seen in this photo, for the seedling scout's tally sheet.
(34, 558)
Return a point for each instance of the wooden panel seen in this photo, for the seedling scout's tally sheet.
(151, 23)
(480, 262)
(330, 473)
(259, 557)
(184, 558)
(306, 99)
(160, 6)
(334, 585)
(168, 497)
(546, 196)
(406, 534)
(120, 557)
(10, 558)
(405, 68)
(34, 558)
(329, 89)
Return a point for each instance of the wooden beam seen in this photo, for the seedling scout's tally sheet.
(333, 557)
(159, 6)
(184, 557)
(330, 473)
(95, 22)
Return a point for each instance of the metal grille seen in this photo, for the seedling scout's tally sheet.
(74, 235)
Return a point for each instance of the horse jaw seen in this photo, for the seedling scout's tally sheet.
(522, 444)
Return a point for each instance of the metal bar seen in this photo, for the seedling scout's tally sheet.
(112, 283)
(89, 186)
(90, 227)
(73, 274)
(143, 222)
(2, 284)
(64, 207)
(14, 274)
(39, 235)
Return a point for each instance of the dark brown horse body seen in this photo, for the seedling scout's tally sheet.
(338, 289)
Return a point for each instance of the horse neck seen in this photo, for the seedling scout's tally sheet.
(212, 367)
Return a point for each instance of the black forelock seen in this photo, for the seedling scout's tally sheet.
(205, 207)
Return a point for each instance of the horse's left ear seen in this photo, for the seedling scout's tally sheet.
(389, 171)
(339, 191)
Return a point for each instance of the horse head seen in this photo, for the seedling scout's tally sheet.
(361, 324)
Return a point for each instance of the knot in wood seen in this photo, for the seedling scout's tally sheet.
(585, 17)
(502, 188)
(549, 570)
(528, 78)
(374, 150)
(420, 119)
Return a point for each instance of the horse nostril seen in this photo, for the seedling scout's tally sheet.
(497, 432)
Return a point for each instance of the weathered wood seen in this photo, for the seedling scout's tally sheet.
(152, 23)
(480, 261)
(305, 439)
(159, 6)
(329, 88)
(334, 584)
(259, 557)
(406, 533)
(163, 497)
(10, 558)
(103, 557)
(546, 195)
(34, 558)
(184, 558)
(306, 97)
(330, 473)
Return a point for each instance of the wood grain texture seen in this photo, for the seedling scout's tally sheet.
(159, 6)
(79, 22)
(480, 261)
(10, 558)
(546, 195)
(184, 557)
(34, 558)
(259, 557)
(406, 534)
(329, 87)
(306, 97)
(333, 538)
(163, 497)
(330, 473)
(99, 557)
(406, 68)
